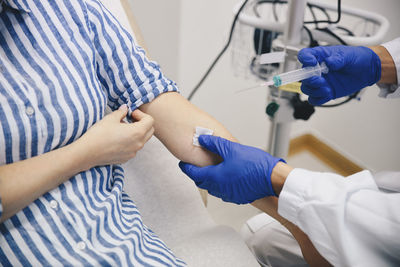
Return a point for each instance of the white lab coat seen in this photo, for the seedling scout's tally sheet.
(353, 221)
(350, 221)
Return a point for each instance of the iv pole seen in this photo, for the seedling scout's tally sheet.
(282, 119)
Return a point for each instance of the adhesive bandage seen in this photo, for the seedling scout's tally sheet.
(200, 131)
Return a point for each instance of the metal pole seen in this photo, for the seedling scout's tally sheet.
(281, 122)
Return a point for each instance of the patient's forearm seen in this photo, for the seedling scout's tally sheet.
(24, 181)
(269, 205)
(175, 120)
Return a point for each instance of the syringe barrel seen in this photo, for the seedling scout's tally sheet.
(300, 74)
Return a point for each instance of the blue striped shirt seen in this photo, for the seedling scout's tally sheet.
(61, 63)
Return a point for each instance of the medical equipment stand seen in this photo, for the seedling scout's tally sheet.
(281, 121)
(278, 144)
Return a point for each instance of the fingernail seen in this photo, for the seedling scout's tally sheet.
(122, 107)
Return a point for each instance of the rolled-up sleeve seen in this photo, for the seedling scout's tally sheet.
(349, 220)
(392, 90)
(125, 73)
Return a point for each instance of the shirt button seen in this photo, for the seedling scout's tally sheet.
(53, 204)
(29, 111)
(81, 245)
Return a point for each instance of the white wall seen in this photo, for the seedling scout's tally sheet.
(185, 36)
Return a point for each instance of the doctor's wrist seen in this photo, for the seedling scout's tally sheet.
(278, 176)
(388, 67)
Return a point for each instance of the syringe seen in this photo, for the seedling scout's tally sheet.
(293, 76)
(300, 74)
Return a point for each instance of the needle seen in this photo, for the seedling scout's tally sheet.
(256, 86)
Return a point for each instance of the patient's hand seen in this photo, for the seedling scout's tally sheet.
(112, 141)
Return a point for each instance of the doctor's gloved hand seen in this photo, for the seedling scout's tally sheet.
(350, 70)
(243, 177)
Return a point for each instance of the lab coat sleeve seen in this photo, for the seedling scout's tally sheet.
(392, 90)
(349, 220)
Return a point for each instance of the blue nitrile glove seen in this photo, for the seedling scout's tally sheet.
(243, 176)
(350, 70)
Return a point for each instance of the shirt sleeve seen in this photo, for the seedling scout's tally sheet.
(392, 90)
(1, 208)
(349, 220)
(125, 73)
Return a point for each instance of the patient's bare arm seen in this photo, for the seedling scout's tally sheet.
(175, 120)
(269, 205)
